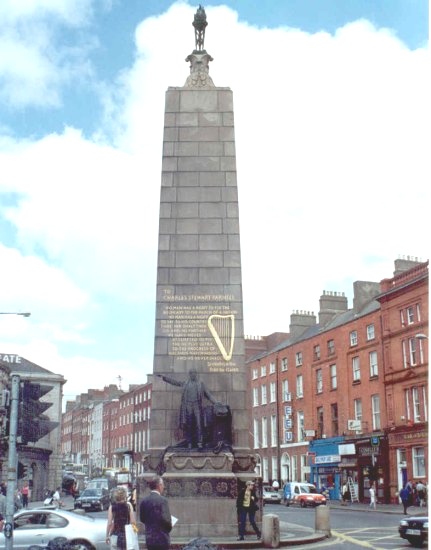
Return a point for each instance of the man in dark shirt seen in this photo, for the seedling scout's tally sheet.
(155, 515)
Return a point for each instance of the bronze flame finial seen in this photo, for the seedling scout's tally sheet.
(199, 23)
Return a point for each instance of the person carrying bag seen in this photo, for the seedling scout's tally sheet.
(121, 518)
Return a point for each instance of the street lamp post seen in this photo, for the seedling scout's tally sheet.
(12, 454)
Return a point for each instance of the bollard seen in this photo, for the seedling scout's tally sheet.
(322, 522)
(270, 531)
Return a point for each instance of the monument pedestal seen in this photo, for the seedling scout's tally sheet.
(202, 489)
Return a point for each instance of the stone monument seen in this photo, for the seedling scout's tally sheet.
(199, 424)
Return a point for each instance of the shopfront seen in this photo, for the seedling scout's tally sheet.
(408, 452)
(372, 467)
(325, 470)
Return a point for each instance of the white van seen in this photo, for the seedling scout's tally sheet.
(303, 494)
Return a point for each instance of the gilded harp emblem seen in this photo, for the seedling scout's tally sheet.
(222, 327)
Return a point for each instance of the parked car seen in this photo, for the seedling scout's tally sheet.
(414, 529)
(270, 495)
(93, 499)
(40, 526)
(304, 494)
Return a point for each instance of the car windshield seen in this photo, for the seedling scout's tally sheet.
(308, 489)
(92, 493)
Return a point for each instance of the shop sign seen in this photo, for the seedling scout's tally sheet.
(368, 451)
(328, 470)
(327, 459)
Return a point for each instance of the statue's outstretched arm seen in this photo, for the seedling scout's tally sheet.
(170, 380)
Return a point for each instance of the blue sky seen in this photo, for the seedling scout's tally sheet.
(331, 106)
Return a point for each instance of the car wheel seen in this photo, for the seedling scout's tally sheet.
(303, 505)
(81, 545)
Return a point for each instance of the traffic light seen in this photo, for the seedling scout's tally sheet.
(22, 470)
(32, 423)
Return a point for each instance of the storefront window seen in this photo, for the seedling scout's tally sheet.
(418, 456)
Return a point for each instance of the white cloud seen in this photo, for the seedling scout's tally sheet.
(34, 62)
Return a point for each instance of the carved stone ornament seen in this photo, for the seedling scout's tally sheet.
(199, 69)
(177, 462)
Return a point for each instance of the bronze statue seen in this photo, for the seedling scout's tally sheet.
(199, 23)
(193, 420)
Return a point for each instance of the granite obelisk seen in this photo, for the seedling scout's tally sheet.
(199, 424)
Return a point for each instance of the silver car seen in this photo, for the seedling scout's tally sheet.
(41, 525)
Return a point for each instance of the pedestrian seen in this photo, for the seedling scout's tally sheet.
(405, 498)
(421, 491)
(2, 504)
(411, 489)
(25, 493)
(345, 494)
(56, 498)
(247, 504)
(155, 515)
(120, 513)
(132, 498)
(1, 522)
(373, 496)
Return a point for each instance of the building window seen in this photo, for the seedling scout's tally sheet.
(375, 410)
(272, 392)
(416, 405)
(374, 369)
(316, 352)
(284, 364)
(410, 352)
(271, 368)
(265, 473)
(274, 467)
(357, 405)
(320, 422)
(294, 467)
(356, 369)
(331, 347)
(263, 394)
(264, 432)
(255, 397)
(285, 390)
(417, 396)
(410, 315)
(370, 332)
(418, 458)
(274, 437)
(354, 338)
(319, 381)
(256, 433)
(255, 374)
(333, 375)
(301, 427)
(299, 386)
(334, 419)
(298, 358)
(263, 370)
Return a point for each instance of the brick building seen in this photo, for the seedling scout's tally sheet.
(341, 398)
